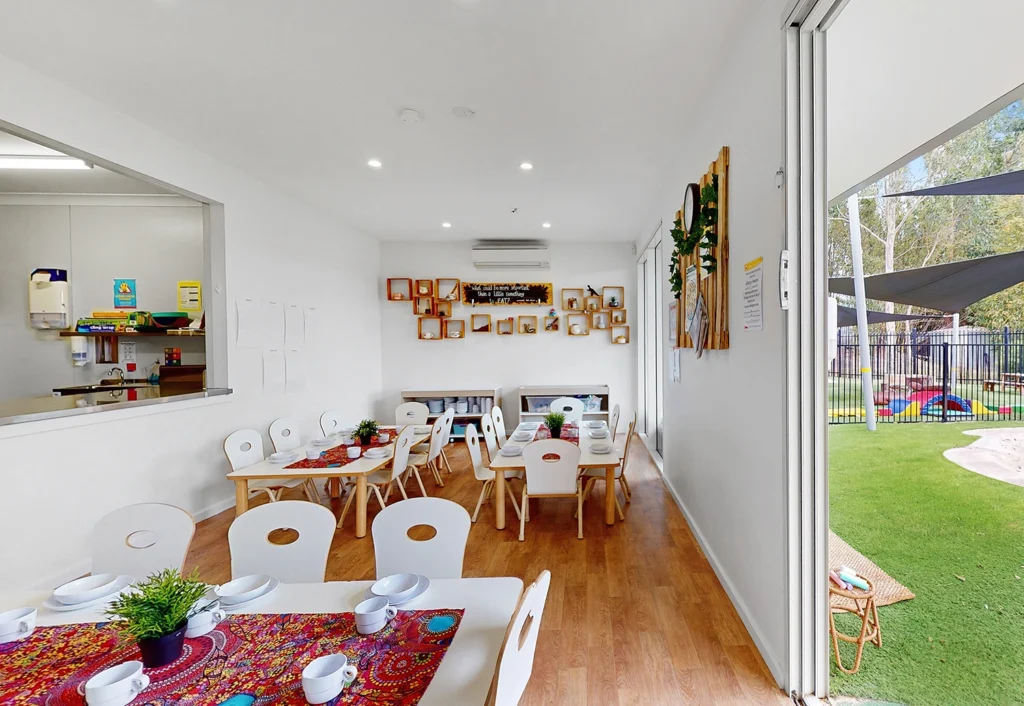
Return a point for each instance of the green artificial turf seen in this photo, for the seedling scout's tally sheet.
(954, 538)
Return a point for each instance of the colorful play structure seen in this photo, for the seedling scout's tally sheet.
(927, 403)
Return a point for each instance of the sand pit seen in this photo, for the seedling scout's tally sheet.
(998, 453)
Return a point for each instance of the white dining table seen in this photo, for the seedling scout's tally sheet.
(465, 673)
(501, 463)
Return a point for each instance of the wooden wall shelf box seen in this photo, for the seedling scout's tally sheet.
(599, 317)
(620, 332)
(423, 306)
(399, 289)
(430, 328)
(551, 323)
(527, 324)
(424, 288)
(442, 307)
(593, 303)
(506, 327)
(480, 323)
(572, 299)
(454, 328)
(448, 289)
(580, 320)
(617, 293)
(619, 317)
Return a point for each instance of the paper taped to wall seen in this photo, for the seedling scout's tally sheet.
(250, 323)
(273, 324)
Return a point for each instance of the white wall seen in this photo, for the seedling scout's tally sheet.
(489, 360)
(902, 73)
(157, 245)
(725, 427)
(59, 481)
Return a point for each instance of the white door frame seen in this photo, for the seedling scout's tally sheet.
(644, 386)
(805, 24)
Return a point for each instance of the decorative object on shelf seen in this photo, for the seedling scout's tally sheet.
(423, 306)
(700, 262)
(430, 328)
(399, 289)
(599, 319)
(527, 324)
(578, 324)
(454, 328)
(551, 321)
(507, 293)
(448, 289)
(365, 431)
(480, 323)
(619, 317)
(554, 422)
(156, 611)
(572, 299)
(425, 288)
(620, 334)
(506, 327)
(592, 292)
(611, 297)
(442, 307)
(593, 303)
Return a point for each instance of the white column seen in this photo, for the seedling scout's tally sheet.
(853, 204)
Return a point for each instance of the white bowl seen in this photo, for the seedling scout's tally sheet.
(522, 436)
(85, 589)
(601, 448)
(282, 457)
(511, 451)
(242, 589)
(322, 441)
(396, 588)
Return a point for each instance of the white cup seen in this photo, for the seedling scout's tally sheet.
(325, 677)
(373, 614)
(312, 453)
(116, 686)
(204, 622)
(347, 440)
(16, 624)
(354, 451)
(384, 437)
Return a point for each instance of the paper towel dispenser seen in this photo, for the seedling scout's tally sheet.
(48, 299)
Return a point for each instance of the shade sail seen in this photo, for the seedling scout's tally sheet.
(949, 287)
(847, 316)
(1009, 184)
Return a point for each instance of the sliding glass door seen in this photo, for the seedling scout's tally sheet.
(651, 344)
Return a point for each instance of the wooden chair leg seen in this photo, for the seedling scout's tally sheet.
(380, 499)
(579, 509)
(480, 500)
(447, 463)
(387, 491)
(523, 517)
(626, 490)
(437, 473)
(401, 489)
(419, 480)
(618, 508)
(344, 510)
(515, 505)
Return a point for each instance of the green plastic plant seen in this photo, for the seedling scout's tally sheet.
(554, 422)
(366, 430)
(159, 605)
(703, 236)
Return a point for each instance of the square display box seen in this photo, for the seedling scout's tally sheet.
(442, 307)
(593, 303)
(480, 323)
(552, 323)
(399, 289)
(577, 324)
(424, 288)
(454, 328)
(618, 294)
(600, 319)
(423, 306)
(448, 289)
(572, 299)
(620, 335)
(506, 327)
(527, 324)
(619, 317)
(431, 328)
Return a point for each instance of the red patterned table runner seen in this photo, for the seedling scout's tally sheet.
(337, 456)
(253, 657)
(570, 432)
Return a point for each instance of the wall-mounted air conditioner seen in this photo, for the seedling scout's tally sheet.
(511, 254)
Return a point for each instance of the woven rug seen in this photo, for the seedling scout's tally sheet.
(887, 589)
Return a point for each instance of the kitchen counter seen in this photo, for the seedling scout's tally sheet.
(31, 409)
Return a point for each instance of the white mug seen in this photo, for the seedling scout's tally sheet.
(312, 453)
(16, 624)
(204, 622)
(354, 451)
(325, 677)
(373, 614)
(383, 437)
(116, 686)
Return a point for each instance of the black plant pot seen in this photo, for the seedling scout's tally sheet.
(556, 433)
(365, 440)
(158, 651)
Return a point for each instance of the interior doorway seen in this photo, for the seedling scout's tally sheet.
(651, 346)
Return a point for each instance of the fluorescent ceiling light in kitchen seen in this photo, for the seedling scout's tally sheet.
(17, 161)
(446, 224)
(526, 166)
(375, 164)
(546, 225)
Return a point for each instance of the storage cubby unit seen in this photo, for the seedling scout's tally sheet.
(425, 288)
(506, 327)
(454, 328)
(593, 303)
(480, 323)
(572, 299)
(448, 289)
(527, 324)
(535, 401)
(423, 306)
(442, 307)
(619, 317)
(551, 323)
(618, 294)
(399, 289)
(620, 335)
(600, 319)
(477, 403)
(430, 328)
(577, 324)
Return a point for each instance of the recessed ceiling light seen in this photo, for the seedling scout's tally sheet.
(526, 166)
(446, 224)
(375, 163)
(545, 225)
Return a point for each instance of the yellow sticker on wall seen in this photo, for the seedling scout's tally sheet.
(190, 296)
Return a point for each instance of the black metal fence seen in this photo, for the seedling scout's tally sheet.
(930, 376)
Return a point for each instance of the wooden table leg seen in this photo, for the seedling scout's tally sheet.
(241, 496)
(334, 487)
(609, 495)
(499, 500)
(361, 506)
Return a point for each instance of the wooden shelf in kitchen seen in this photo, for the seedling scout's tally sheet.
(187, 333)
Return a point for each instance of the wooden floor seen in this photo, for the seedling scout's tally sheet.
(635, 614)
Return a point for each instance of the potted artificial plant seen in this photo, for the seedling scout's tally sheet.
(554, 421)
(156, 612)
(366, 430)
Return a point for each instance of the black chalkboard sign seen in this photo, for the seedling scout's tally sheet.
(507, 293)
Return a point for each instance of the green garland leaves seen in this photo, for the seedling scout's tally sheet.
(703, 237)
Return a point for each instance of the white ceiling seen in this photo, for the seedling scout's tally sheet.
(594, 93)
(91, 181)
